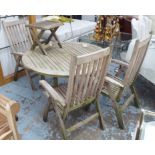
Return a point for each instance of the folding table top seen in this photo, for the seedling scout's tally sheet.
(45, 25)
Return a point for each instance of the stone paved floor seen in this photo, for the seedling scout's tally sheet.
(32, 103)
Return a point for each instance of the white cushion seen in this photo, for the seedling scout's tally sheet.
(130, 50)
(134, 24)
(148, 131)
(75, 29)
(140, 30)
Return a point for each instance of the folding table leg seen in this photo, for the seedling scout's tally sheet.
(36, 41)
(56, 38)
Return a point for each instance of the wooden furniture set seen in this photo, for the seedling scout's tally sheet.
(85, 64)
(8, 110)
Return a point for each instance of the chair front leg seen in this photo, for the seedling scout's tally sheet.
(136, 99)
(62, 125)
(118, 111)
(46, 110)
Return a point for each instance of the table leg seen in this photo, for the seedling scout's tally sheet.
(36, 40)
(29, 78)
(50, 36)
(55, 82)
(42, 77)
(56, 38)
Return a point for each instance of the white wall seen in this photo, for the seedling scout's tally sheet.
(148, 66)
(153, 22)
(88, 17)
(6, 58)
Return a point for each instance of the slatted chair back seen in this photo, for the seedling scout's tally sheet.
(86, 77)
(18, 35)
(136, 61)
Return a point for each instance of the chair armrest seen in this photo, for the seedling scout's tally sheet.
(6, 135)
(120, 62)
(51, 92)
(5, 102)
(113, 81)
(17, 53)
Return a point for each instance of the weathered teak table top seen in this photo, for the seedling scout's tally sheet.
(45, 25)
(56, 62)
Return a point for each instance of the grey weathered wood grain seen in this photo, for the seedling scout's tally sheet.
(57, 60)
(20, 41)
(114, 87)
(88, 68)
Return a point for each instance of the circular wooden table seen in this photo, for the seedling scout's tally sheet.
(57, 61)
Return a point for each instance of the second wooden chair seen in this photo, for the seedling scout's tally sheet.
(20, 41)
(115, 86)
(86, 78)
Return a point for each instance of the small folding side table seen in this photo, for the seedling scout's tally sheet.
(44, 26)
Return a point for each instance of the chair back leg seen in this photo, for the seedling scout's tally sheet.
(17, 66)
(47, 109)
(101, 121)
(136, 99)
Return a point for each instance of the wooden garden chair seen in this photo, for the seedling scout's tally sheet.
(20, 41)
(8, 110)
(115, 86)
(86, 78)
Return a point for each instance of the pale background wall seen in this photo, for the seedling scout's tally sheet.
(153, 22)
(6, 58)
